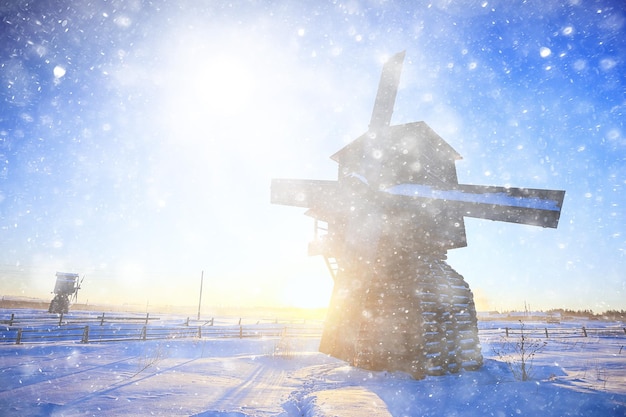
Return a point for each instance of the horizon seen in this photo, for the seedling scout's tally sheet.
(309, 312)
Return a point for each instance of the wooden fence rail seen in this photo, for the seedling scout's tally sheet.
(551, 332)
(96, 333)
(48, 328)
(64, 319)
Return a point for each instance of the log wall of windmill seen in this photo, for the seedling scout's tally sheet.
(406, 312)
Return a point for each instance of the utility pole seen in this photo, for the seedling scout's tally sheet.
(200, 301)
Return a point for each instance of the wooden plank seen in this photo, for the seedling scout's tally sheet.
(386, 94)
(529, 206)
(303, 193)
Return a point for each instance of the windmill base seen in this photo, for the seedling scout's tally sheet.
(60, 304)
(416, 315)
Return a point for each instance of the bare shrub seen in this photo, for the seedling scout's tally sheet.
(149, 359)
(283, 347)
(519, 354)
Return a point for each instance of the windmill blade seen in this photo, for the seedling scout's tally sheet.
(75, 298)
(514, 205)
(386, 95)
(303, 193)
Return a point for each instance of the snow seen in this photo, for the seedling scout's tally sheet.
(283, 376)
(495, 198)
(499, 199)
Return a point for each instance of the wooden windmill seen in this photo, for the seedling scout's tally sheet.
(65, 292)
(384, 228)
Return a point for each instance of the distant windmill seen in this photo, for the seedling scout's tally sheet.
(384, 228)
(65, 291)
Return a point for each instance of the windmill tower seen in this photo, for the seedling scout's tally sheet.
(384, 228)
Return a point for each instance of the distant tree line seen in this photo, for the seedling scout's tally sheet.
(608, 314)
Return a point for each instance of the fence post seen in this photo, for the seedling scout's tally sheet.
(61, 318)
(213, 318)
(199, 332)
(624, 328)
(102, 319)
(13, 316)
(506, 329)
(147, 316)
(241, 332)
(547, 333)
(187, 322)
(143, 333)
(584, 331)
(18, 339)
(85, 335)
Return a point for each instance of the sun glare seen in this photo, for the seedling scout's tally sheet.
(206, 92)
(218, 99)
(308, 292)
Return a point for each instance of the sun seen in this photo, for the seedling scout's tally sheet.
(205, 91)
(222, 97)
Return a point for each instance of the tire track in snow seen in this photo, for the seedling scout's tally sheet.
(58, 390)
(263, 390)
(67, 398)
(45, 375)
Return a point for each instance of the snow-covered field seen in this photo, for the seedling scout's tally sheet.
(285, 376)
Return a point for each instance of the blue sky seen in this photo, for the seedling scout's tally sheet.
(138, 140)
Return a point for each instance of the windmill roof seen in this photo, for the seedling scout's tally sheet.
(67, 274)
(417, 135)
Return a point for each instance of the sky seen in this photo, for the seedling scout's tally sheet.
(138, 140)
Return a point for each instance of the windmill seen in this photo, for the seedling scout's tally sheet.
(65, 291)
(384, 228)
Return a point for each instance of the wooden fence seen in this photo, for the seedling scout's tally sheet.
(47, 328)
(112, 328)
(63, 319)
(555, 332)
(91, 334)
